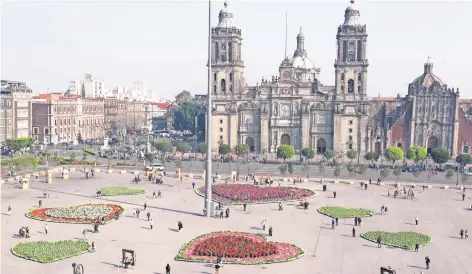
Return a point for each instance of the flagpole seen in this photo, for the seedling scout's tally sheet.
(208, 122)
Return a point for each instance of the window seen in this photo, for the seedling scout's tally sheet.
(350, 138)
(221, 121)
(350, 130)
(231, 77)
(35, 130)
(351, 122)
(342, 88)
(350, 146)
(359, 50)
(359, 77)
(350, 86)
(214, 77)
(465, 150)
(359, 89)
(223, 85)
(230, 51)
(46, 130)
(342, 76)
(399, 145)
(214, 88)
(351, 56)
(221, 137)
(344, 50)
(221, 129)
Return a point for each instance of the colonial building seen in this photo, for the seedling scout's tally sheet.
(15, 111)
(295, 108)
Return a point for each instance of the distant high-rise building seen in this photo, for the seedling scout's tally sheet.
(88, 87)
(15, 111)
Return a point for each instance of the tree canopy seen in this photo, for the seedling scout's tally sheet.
(224, 149)
(372, 156)
(241, 149)
(308, 153)
(394, 154)
(20, 143)
(202, 147)
(329, 154)
(464, 159)
(183, 117)
(416, 153)
(440, 155)
(164, 146)
(351, 154)
(183, 147)
(183, 96)
(285, 152)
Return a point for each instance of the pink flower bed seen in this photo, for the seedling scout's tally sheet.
(237, 248)
(240, 194)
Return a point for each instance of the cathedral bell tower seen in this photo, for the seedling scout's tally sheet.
(351, 61)
(226, 61)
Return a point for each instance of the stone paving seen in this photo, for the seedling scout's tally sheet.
(442, 213)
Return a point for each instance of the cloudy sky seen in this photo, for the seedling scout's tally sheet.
(164, 43)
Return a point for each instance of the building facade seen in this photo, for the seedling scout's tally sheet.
(88, 87)
(15, 112)
(295, 108)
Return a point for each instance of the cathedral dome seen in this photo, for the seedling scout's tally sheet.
(225, 17)
(428, 78)
(302, 62)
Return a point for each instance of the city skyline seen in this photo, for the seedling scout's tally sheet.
(116, 42)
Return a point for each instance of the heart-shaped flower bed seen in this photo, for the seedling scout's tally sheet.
(237, 248)
(81, 214)
(240, 194)
(47, 252)
(405, 240)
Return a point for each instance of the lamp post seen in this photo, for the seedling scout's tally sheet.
(208, 122)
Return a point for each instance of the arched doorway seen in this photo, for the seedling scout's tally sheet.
(250, 143)
(378, 148)
(321, 146)
(285, 139)
(432, 143)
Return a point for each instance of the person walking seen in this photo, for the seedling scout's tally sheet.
(427, 261)
(180, 226)
(337, 221)
(159, 194)
(193, 185)
(145, 205)
(379, 241)
(148, 215)
(334, 194)
(40, 204)
(93, 247)
(154, 194)
(85, 234)
(466, 234)
(150, 223)
(167, 269)
(332, 223)
(353, 232)
(46, 228)
(462, 233)
(416, 220)
(263, 223)
(9, 210)
(463, 196)
(417, 247)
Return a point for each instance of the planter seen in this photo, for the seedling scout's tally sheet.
(336, 181)
(2, 182)
(190, 175)
(136, 172)
(123, 171)
(72, 169)
(65, 177)
(430, 186)
(110, 170)
(446, 187)
(413, 185)
(10, 180)
(25, 186)
(27, 176)
(97, 170)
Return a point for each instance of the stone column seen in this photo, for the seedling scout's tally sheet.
(412, 123)
(305, 130)
(264, 137)
(233, 130)
(455, 132)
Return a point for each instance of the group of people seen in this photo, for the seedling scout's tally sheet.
(24, 232)
(410, 194)
(92, 173)
(464, 233)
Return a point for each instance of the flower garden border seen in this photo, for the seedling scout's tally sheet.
(182, 250)
(132, 194)
(396, 246)
(112, 217)
(33, 260)
(369, 215)
(197, 191)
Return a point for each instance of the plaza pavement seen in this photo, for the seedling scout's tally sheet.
(441, 214)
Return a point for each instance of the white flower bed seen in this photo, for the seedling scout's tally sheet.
(81, 212)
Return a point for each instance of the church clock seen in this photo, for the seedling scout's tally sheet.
(286, 75)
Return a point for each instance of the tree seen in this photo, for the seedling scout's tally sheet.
(394, 154)
(308, 153)
(285, 152)
(164, 146)
(149, 157)
(361, 169)
(79, 138)
(372, 156)
(224, 149)
(184, 96)
(337, 170)
(417, 173)
(84, 156)
(20, 143)
(183, 116)
(464, 159)
(351, 168)
(397, 171)
(202, 147)
(179, 164)
(351, 154)
(440, 155)
(449, 174)
(73, 156)
(321, 166)
(240, 150)
(290, 168)
(183, 147)
(384, 173)
(283, 169)
(306, 168)
(416, 153)
(329, 154)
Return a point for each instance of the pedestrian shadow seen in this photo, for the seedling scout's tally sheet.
(455, 237)
(145, 227)
(410, 224)
(173, 229)
(4, 213)
(113, 265)
(370, 246)
(40, 232)
(255, 228)
(350, 236)
(416, 266)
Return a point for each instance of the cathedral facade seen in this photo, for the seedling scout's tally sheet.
(295, 108)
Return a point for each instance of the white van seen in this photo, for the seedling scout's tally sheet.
(156, 166)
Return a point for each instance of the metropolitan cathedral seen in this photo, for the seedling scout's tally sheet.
(295, 108)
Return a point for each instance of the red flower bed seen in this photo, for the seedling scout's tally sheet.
(237, 248)
(42, 214)
(240, 194)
